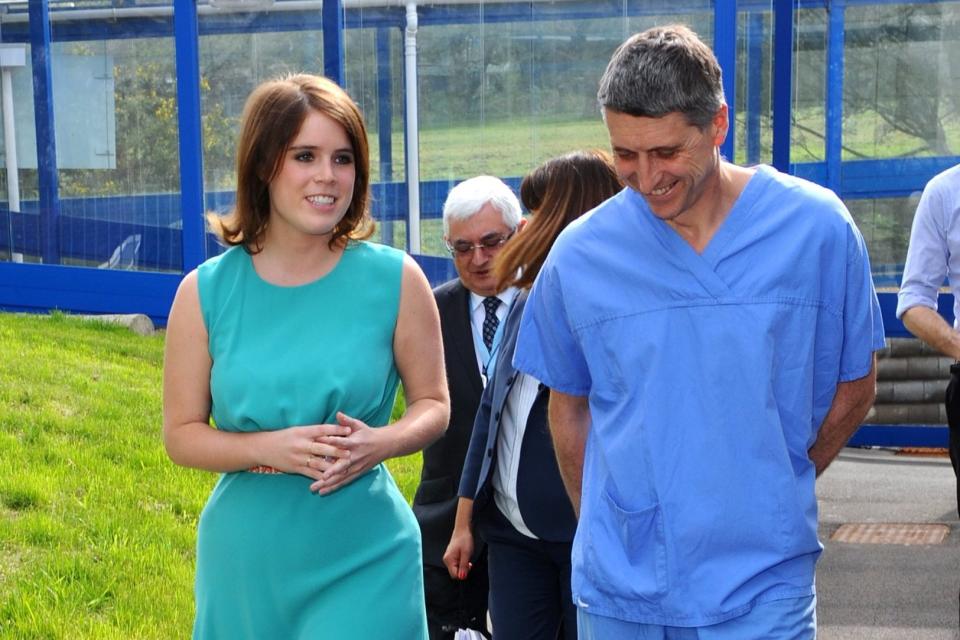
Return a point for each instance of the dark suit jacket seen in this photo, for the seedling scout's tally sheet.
(435, 503)
(543, 501)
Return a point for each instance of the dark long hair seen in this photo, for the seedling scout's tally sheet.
(272, 117)
(556, 193)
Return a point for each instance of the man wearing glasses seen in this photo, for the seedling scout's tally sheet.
(479, 216)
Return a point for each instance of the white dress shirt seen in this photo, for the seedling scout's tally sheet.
(477, 315)
(934, 252)
(509, 440)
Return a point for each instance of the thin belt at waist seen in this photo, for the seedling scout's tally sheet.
(262, 468)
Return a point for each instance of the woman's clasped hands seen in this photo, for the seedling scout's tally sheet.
(356, 448)
(332, 455)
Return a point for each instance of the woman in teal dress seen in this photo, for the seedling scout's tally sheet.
(293, 341)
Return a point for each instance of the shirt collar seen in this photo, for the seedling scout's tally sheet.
(506, 297)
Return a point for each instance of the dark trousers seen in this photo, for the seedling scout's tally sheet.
(530, 595)
(456, 604)
(953, 422)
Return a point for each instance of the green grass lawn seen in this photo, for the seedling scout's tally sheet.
(511, 148)
(505, 148)
(97, 526)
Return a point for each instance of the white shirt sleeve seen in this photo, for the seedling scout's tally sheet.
(928, 255)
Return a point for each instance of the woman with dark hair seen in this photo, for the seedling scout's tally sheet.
(511, 491)
(293, 341)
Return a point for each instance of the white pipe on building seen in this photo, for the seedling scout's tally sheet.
(412, 129)
(10, 155)
(11, 57)
(10, 141)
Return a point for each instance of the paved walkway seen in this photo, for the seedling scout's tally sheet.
(872, 591)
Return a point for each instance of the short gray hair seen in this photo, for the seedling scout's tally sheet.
(467, 198)
(664, 70)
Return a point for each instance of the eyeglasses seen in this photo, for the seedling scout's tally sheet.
(489, 242)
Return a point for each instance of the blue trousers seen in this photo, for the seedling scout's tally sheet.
(790, 619)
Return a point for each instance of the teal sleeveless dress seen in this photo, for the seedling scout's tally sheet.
(275, 561)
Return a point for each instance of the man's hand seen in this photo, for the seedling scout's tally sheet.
(850, 405)
(569, 418)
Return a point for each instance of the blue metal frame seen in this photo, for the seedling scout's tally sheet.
(46, 140)
(93, 227)
(900, 435)
(333, 40)
(725, 48)
(888, 178)
(385, 118)
(834, 93)
(782, 82)
(190, 139)
(80, 290)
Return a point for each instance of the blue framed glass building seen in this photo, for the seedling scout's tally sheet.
(119, 116)
(123, 114)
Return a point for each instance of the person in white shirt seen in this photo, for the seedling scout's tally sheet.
(934, 255)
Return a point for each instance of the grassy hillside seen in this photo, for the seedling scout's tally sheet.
(97, 526)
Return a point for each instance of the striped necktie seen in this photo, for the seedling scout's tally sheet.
(490, 320)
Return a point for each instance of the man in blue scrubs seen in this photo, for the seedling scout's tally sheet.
(708, 337)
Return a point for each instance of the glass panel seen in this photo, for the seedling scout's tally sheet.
(754, 88)
(901, 96)
(900, 100)
(112, 202)
(374, 55)
(19, 220)
(503, 87)
(885, 225)
(374, 68)
(239, 54)
(753, 93)
(134, 199)
(809, 87)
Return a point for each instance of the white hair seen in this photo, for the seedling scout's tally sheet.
(467, 198)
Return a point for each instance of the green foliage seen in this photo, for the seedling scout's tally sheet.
(147, 142)
(97, 526)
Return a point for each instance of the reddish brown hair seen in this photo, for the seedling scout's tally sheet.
(272, 117)
(557, 192)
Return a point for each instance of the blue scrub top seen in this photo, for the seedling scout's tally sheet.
(708, 376)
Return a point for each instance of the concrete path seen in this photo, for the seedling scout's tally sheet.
(869, 591)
